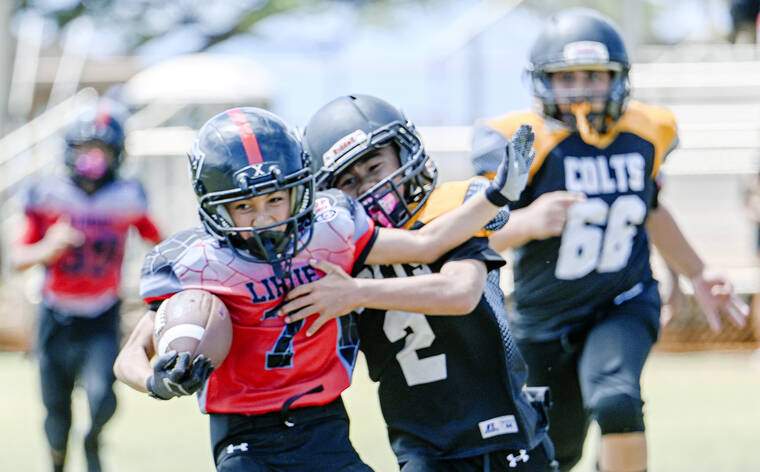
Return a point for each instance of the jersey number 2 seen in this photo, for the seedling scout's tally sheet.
(585, 246)
(419, 335)
(415, 329)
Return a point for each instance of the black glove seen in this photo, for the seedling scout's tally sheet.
(173, 375)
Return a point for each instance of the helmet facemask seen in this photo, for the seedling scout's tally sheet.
(273, 243)
(582, 116)
(92, 168)
(394, 200)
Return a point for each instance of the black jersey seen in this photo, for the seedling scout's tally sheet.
(603, 254)
(449, 386)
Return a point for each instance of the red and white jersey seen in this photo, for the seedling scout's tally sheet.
(85, 280)
(269, 361)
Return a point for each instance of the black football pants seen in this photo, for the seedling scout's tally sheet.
(77, 350)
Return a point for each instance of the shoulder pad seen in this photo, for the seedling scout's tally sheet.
(334, 198)
(655, 124)
(547, 137)
(33, 192)
(165, 253)
(449, 196)
(157, 277)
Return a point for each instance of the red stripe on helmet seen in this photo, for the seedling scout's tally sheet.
(247, 136)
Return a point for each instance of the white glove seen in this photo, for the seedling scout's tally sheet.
(512, 174)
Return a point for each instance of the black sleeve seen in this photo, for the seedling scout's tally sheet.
(359, 263)
(475, 248)
(654, 202)
(153, 306)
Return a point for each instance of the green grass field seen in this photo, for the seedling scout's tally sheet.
(703, 414)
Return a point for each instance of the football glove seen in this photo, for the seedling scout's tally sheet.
(512, 174)
(174, 376)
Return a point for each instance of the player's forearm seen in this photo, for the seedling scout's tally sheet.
(133, 368)
(429, 243)
(454, 228)
(433, 294)
(24, 256)
(672, 244)
(132, 365)
(516, 232)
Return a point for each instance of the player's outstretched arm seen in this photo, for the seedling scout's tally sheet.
(712, 290)
(455, 290)
(56, 241)
(457, 226)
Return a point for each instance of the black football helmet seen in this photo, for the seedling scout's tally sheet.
(348, 128)
(100, 125)
(247, 152)
(580, 39)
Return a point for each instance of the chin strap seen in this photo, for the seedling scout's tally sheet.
(589, 135)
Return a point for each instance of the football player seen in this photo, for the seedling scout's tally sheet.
(274, 403)
(76, 226)
(451, 388)
(586, 304)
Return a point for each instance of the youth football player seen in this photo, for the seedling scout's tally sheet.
(451, 388)
(586, 304)
(77, 226)
(274, 403)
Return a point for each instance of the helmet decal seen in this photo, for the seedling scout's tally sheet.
(247, 136)
(585, 52)
(343, 145)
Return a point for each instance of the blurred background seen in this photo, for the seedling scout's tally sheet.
(445, 63)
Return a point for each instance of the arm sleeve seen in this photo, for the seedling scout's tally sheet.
(147, 229)
(158, 280)
(475, 248)
(32, 232)
(34, 229)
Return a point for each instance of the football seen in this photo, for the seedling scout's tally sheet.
(194, 321)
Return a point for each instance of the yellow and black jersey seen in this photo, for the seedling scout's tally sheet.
(451, 195)
(603, 251)
(449, 386)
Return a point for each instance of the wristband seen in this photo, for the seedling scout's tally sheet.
(495, 197)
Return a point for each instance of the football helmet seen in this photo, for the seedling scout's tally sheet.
(248, 152)
(580, 39)
(99, 125)
(344, 131)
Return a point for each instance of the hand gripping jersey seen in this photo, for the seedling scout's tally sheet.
(602, 256)
(450, 386)
(84, 281)
(269, 362)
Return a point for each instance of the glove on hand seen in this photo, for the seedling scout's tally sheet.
(512, 174)
(173, 375)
